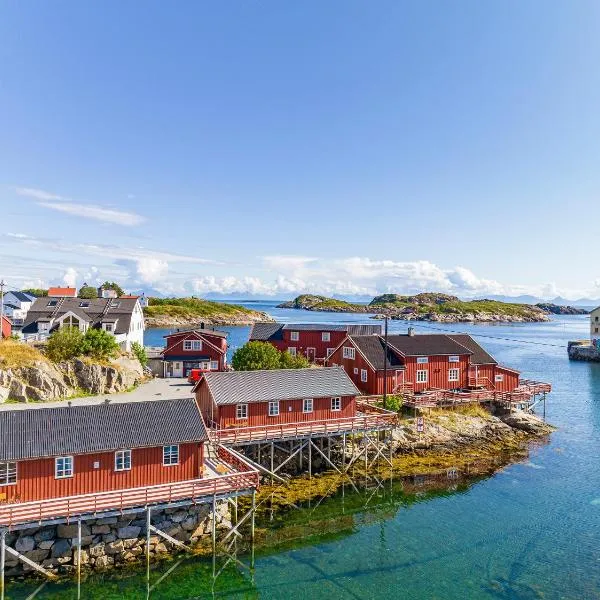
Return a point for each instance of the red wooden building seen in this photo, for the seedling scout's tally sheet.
(64, 451)
(417, 363)
(316, 341)
(203, 348)
(6, 329)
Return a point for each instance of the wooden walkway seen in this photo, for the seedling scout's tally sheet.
(238, 476)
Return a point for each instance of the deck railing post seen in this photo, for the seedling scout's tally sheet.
(214, 524)
(2, 559)
(148, 531)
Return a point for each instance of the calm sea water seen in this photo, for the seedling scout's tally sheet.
(530, 531)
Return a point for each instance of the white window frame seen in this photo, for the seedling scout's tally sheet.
(422, 376)
(125, 457)
(192, 345)
(454, 359)
(498, 378)
(214, 365)
(307, 405)
(336, 404)
(330, 351)
(422, 360)
(453, 374)
(64, 472)
(325, 336)
(108, 327)
(348, 352)
(364, 375)
(241, 412)
(294, 336)
(8, 473)
(292, 350)
(274, 408)
(356, 370)
(171, 455)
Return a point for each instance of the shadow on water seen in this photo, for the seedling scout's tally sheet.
(331, 517)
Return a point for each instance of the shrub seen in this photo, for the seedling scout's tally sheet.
(287, 361)
(254, 356)
(140, 353)
(100, 344)
(65, 343)
(88, 292)
(394, 402)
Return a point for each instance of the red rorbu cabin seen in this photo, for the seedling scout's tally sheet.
(6, 329)
(315, 341)
(203, 349)
(417, 363)
(66, 451)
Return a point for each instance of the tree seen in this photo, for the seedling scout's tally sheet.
(88, 292)
(38, 292)
(140, 352)
(64, 344)
(111, 285)
(254, 356)
(289, 361)
(99, 344)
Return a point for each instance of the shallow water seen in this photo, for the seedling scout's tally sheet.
(532, 530)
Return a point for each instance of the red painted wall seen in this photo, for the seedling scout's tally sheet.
(311, 339)
(35, 478)
(437, 372)
(373, 385)
(175, 347)
(6, 327)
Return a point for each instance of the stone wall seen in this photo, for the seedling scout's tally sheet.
(112, 541)
(583, 351)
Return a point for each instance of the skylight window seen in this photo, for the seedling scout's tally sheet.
(52, 302)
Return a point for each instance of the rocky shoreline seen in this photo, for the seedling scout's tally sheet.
(175, 322)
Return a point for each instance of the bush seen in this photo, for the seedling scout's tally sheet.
(100, 344)
(255, 356)
(140, 353)
(88, 292)
(64, 344)
(393, 402)
(288, 361)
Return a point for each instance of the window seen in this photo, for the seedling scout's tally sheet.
(8, 473)
(123, 460)
(63, 467)
(336, 404)
(214, 365)
(453, 359)
(294, 336)
(326, 336)
(115, 304)
(596, 330)
(55, 302)
(453, 374)
(170, 455)
(422, 360)
(70, 321)
(421, 376)
(595, 318)
(192, 344)
(356, 370)
(108, 327)
(84, 304)
(307, 405)
(499, 378)
(348, 353)
(273, 408)
(292, 350)
(330, 351)
(241, 411)
(363, 375)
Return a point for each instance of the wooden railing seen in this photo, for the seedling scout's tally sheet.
(72, 506)
(373, 420)
(484, 382)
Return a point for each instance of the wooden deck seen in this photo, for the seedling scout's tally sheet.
(369, 418)
(237, 476)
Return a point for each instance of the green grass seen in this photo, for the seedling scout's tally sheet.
(193, 308)
(15, 354)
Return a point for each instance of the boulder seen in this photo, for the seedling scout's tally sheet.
(100, 529)
(128, 532)
(102, 562)
(97, 550)
(70, 531)
(25, 544)
(115, 547)
(46, 544)
(45, 534)
(61, 549)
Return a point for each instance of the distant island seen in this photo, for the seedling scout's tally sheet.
(190, 312)
(430, 307)
(559, 309)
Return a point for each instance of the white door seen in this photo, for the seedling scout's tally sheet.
(177, 369)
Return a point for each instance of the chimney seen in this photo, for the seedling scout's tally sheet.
(202, 325)
(411, 331)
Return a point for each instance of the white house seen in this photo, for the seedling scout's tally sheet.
(16, 306)
(595, 327)
(122, 317)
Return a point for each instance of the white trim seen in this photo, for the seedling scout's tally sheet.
(455, 372)
(349, 353)
(7, 473)
(498, 378)
(422, 360)
(292, 351)
(273, 404)
(330, 351)
(426, 376)
(305, 402)
(71, 470)
(238, 408)
(325, 336)
(192, 345)
(294, 336)
(454, 358)
(171, 452)
(336, 401)
(364, 375)
(123, 454)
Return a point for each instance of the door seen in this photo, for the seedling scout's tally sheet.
(310, 354)
(399, 378)
(177, 369)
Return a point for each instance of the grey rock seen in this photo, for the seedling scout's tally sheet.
(46, 544)
(114, 547)
(128, 532)
(110, 537)
(70, 531)
(61, 549)
(100, 529)
(107, 521)
(25, 544)
(97, 550)
(45, 534)
(102, 562)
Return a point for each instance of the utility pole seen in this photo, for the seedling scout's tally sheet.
(2, 284)
(385, 355)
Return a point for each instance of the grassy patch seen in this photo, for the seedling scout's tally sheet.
(193, 308)
(15, 354)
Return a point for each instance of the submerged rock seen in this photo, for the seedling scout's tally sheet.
(527, 422)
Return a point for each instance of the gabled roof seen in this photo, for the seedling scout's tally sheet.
(204, 331)
(67, 292)
(22, 296)
(372, 348)
(262, 332)
(429, 344)
(70, 430)
(234, 387)
(479, 356)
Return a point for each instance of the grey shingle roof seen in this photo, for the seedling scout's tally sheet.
(234, 387)
(262, 332)
(429, 344)
(23, 297)
(205, 331)
(65, 430)
(371, 346)
(118, 308)
(480, 356)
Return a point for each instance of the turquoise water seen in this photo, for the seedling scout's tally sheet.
(532, 530)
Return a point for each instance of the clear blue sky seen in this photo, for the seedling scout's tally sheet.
(277, 147)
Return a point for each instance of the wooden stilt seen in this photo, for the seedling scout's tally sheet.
(148, 531)
(78, 552)
(253, 513)
(214, 524)
(2, 559)
(272, 452)
(310, 458)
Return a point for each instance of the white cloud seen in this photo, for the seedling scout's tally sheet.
(150, 270)
(70, 277)
(38, 194)
(90, 211)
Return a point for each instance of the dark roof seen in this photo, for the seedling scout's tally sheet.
(204, 331)
(97, 311)
(429, 344)
(190, 357)
(23, 297)
(234, 387)
(364, 329)
(11, 306)
(262, 332)
(372, 348)
(58, 431)
(480, 356)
